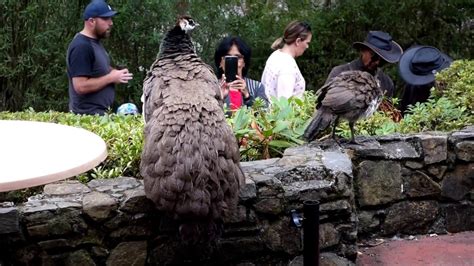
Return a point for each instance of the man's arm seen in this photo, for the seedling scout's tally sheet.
(84, 85)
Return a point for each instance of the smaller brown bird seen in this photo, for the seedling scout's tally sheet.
(351, 95)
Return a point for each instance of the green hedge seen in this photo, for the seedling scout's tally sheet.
(35, 34)
(123, 136)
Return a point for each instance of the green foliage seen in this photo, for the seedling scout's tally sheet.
(378, 124)
(435, 115)
(456, 83)
(450, 105)
(34, 37)
(123, 136)
(266, 132)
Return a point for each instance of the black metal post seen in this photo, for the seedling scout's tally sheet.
(311, 233)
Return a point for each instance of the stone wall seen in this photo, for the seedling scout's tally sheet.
(412, 184)
(415, 184)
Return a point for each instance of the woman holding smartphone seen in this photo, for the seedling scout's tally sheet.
(239, 90)
(281, 76)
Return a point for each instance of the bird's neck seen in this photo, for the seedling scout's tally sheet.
(176, 41)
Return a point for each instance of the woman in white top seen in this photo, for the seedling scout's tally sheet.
(281, 76)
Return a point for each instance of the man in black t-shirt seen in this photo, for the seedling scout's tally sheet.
(91, 78)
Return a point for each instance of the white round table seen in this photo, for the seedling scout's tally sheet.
(37, 153)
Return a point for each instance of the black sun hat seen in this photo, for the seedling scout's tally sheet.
(418, 65)
(382, 44)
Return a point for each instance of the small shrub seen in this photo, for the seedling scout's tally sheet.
(266, 132)
(450, 106)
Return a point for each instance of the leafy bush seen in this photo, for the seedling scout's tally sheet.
(122, 134)
(266, 132)
(450, 105)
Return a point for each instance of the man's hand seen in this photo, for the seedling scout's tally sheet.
(121, 76)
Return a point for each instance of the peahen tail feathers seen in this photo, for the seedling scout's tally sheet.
(200, 232)
(320, 121)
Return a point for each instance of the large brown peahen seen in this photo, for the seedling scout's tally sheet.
(351, 95)
(190, 161)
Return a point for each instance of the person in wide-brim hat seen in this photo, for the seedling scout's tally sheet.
(377, 49)
(418, 67)
(382, 44)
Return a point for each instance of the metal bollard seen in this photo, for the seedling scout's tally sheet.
(311, 233)
(310, 224)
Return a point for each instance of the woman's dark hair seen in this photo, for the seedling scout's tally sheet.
(224, 47)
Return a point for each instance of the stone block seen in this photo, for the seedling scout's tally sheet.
(50, 229)
(461, 135)
(9, 220)
(336, 207)
(54, 244)
(337, 162)
(457, 184)
(437, 171)
(465, 150)
(131, 232)
(80, 257)
(400, 150)
(135, 201)
(248, 191)
(414, 165)
(309, 190)
(269, 191)
(261, 180)
(128, 253)
(114, 184)
(269, 206)
(99, 206)
(368, 221)
(280, 237)
(328, 235)
(435, 147)
(419, 184)
(378, 182)
(410, 217)
(257, 166)
(459, 217)
(66, 188)
(236, 248)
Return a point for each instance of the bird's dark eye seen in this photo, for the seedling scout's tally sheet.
(191, 22)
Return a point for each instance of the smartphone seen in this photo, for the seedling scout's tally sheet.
(230, 67)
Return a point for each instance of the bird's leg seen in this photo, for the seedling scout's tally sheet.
(351, 126)
(333, 135)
